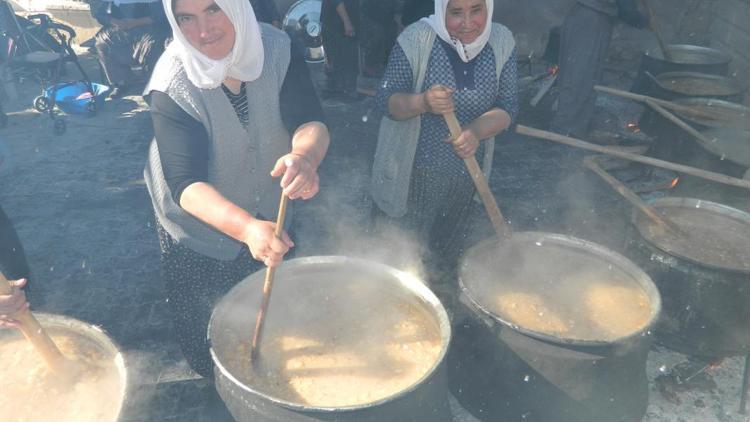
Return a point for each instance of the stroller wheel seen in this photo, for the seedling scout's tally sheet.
(41, 104)
(91, 108)
(59, 126)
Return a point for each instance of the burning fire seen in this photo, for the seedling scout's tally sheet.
(633, 127)
(674, 183)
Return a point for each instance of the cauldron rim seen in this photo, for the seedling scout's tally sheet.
(624, 263)
(735, 86)
(407, 280)
(691, 202)
(721, 56)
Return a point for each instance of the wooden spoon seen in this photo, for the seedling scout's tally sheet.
(660, 221)
(657, 30)
(267, 283)
(496, 217)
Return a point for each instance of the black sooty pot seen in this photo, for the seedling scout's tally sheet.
(322, 297)
(685, 58)
(705, 308)
(501, 371)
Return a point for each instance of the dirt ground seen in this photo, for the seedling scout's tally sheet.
(82, 211)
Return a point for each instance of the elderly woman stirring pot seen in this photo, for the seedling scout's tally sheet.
(224, 98)
(456, 60)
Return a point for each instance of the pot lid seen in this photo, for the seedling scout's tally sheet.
(302, 23)
(559, 288)
(716, 236)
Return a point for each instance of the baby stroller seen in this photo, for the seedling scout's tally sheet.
(40, 47)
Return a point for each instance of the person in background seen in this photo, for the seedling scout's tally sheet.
(380, 26)
(340, 21)
(455, 61)
(225, 97)
(133, 34)
(585, 37)
(267, 12)
(414, 10)
(14, 267)
(13, 264)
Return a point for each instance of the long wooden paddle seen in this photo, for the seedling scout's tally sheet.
(697, 113)
(496, 217)
(35, 333)
(267, 283)
(680, 168)
(661, 222)
(654, 23)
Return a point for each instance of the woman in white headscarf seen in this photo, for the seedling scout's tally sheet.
(236, 121)
(455, 60)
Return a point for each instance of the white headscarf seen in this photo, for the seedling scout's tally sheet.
(244, 63)
(467, 52)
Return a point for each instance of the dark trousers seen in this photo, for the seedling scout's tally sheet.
(584, 42)
(119, 50)
(193, 284)
(13, 263)
(378, 43)
(342, 60)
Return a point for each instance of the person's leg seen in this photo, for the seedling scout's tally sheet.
(349, 69)
(148, 47)
(193, 284)
(584, 43)
(115, 51)
(332, 43)
(13, 263)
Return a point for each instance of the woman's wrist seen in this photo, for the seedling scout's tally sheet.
(423, 106)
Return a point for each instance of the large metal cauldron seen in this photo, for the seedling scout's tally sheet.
(674, 85)
(333, 303)
(686, 58)
(502, 370)
(706, 300)
(95, 339)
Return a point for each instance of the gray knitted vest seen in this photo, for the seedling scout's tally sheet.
(397, 140)
(240, 159)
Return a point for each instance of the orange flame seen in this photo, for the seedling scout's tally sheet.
(674, 182)
(633, 127)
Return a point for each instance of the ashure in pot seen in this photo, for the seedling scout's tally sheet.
(558, 331)
(31, 392)
(345, 339)
(703, 277)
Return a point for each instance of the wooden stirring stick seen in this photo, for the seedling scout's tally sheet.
(38, 337)
(691, 111)
(268, 283)
(680, 168)
(664, 224)
(657, 30)
(496, 217)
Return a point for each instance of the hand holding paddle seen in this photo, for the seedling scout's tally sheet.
(496, 217)
(38, 337)
(267, 284)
